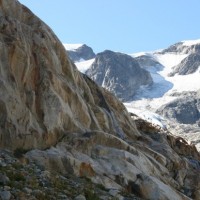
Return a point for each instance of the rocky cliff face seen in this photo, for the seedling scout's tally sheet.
(118, 73)
(81, 53)
(62, 121)
(43, 96)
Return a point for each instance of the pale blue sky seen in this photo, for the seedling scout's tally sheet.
(127, 26)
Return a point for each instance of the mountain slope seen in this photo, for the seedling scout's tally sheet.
(60, 120)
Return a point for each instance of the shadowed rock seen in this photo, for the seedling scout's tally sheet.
(118, 73)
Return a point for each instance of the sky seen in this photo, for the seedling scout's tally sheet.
(127, 26)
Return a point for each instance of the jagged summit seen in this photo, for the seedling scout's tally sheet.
(184, 47)
(79, 52)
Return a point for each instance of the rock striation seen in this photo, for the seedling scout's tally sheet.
(58, 129)
(43, 96)
(118, 73)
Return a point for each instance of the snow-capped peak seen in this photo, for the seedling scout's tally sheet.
(190, 42)
(72, 47)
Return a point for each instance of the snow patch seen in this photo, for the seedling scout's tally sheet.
(83, 66)
(72, 47)
(159, 93)
(169, 60)
(149, 116)
(190, 82)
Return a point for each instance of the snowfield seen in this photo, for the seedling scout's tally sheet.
(151, 117)
(149, 99)
(165, 85)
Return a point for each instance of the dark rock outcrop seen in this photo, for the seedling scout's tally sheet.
(82, 53)
(184, 110)
(188, 65)
(146, 61)
(118, 73)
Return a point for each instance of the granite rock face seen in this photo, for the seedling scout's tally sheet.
(61, 121)
(43, 96)
(118, 73)
(84, 52)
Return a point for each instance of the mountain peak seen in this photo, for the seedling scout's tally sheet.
(118, 73)
(79, 52)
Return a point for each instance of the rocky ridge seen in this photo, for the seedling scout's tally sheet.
(146, 61)
(182, 48)
(83, 52)
(60, 124)
(191, 63)
(185, 110)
